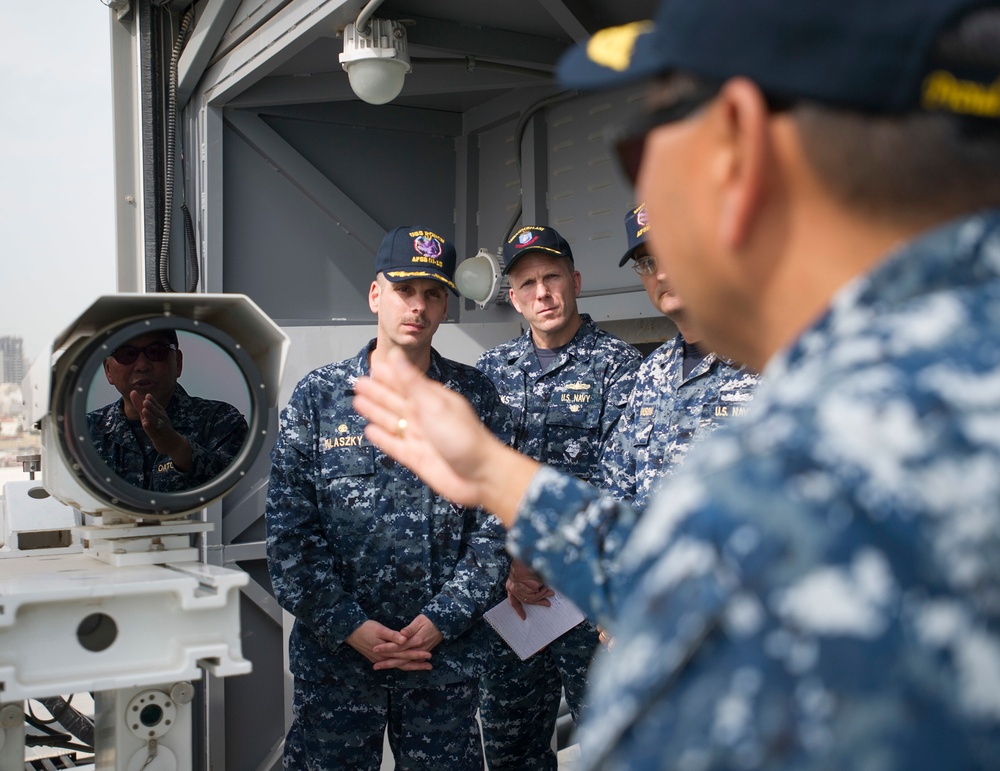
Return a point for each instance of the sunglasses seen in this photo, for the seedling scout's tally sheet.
(630, 141)
(644, 266)
(127, 354)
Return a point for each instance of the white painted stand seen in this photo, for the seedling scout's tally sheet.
(11, 736)
(145, 728)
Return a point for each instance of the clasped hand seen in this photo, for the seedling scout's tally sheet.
(408, 649)
(525, 587)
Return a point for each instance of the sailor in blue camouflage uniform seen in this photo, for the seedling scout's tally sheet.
(388, 581)
(566, 382)
(818, 585)
(682, 391)
(157, 436)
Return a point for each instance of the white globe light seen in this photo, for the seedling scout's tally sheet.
(376, 81)
(376, 59)
(476, 278)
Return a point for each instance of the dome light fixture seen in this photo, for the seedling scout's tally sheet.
(375, 59)
(478, 278)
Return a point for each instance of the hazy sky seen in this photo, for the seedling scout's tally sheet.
(56, 180)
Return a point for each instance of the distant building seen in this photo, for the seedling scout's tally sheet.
(11, 359)
(11, 401)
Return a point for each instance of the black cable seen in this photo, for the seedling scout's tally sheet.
(66, 743)
(192, 249)
(30, 714)
(163, 266)
(41, 725)
(74, 721)
(522, 125)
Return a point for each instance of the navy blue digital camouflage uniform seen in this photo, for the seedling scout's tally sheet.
(665, 414)
(216, 431)
(562, 417)
(818, 586)
(352, 536)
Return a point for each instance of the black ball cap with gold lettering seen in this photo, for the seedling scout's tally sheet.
(534, 238)
(876, 56)
(407, 253)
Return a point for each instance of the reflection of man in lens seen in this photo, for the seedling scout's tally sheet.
(157, 436)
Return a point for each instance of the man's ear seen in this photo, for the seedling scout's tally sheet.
(374, 292)
(744, 158)
(577, 283)
(107, 372)
(180, 362)
(513, 301)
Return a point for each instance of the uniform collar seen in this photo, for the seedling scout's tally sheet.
(361, 367)
(580, 346)
(962, 253)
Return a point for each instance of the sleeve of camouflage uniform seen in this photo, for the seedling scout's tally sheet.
(585, 528)
(300, 559)
(616, 468)
(486, 365)
(473, 587)
(483, 563)
(226, 437)
(619, 384)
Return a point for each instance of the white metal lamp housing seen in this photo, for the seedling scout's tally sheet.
(478, 278)
(376, 60)
(232, 346)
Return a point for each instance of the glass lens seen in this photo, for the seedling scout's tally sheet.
(126, 354)
(211, 406)
(157, 351)
(631, 140)
(629, 150)
(644, 266)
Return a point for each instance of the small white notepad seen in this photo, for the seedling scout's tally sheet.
(542, 626)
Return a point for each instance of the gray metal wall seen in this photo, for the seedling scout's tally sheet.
(307, 198)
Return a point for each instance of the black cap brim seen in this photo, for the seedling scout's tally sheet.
(627, 257)
(543, 250)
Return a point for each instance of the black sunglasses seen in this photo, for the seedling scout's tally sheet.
(127, 354)
(630, 140)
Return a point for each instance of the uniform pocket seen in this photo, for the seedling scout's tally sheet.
(571, 438)
(344, 451)
(643, 432)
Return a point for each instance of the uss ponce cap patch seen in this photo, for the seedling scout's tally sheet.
(410, 252)
(534, 238)
(636, 227)
(873, 57)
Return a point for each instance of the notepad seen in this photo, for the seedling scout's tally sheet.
(542, 626)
